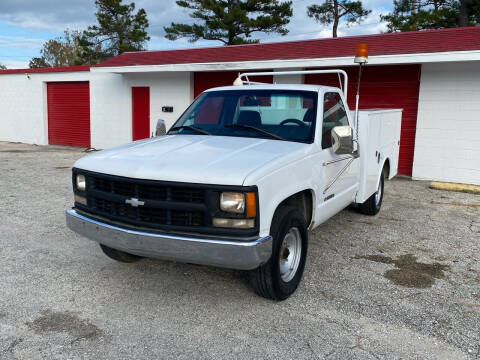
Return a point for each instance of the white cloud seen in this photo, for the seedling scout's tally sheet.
(14, 64)
(20, 42)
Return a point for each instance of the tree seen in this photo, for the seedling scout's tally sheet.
(332, 11)
(3, 67)
(119, 29)
(61, 51)
(469, 12)
(411, 15)
(232, 21)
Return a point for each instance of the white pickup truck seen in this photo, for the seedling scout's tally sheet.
(239, 180)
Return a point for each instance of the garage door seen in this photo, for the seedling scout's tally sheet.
(68, 113)
(395, 86)
(209, 79)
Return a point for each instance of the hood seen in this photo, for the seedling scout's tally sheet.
(190, 158)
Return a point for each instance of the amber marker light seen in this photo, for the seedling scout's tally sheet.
(361, 55)
(251, 205)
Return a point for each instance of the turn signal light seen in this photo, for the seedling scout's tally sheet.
(251, 205)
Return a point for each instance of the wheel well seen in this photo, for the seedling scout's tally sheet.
(303, 201)
(386, 169)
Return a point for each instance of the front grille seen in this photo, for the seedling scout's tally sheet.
(164, 204)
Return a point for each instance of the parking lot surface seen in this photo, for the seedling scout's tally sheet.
(402, 284)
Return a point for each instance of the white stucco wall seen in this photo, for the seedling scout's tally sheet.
(111, 103)
(23, 105)
(447, 142)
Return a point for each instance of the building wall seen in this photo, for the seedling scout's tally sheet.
(23, 105)
(111, 103)
(110, 122)
(447, 144)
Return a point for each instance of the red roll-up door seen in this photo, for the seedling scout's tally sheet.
(140, 112)
(209, 79)
(389, 86)
(68, 113)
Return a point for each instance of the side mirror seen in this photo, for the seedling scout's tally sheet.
(342, 140)
(161, 128)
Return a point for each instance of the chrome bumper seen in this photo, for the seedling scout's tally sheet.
(233, 254)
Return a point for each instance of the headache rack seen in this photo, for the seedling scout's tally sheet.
(243, 79)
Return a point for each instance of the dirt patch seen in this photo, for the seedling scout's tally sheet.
(391, 219)
(68, 322)
(409, 272)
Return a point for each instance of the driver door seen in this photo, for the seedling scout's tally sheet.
(339, 175)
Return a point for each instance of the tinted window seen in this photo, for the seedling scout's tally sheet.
(334, 114)
(283, 113)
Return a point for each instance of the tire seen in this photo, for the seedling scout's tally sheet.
(277, 280)
(373, 204)
(118, 255)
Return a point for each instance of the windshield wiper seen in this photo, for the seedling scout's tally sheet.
(188, 127)
(248, 127)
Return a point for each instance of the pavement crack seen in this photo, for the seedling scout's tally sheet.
(13, 344)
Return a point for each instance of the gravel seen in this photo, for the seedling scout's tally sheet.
(402, 284)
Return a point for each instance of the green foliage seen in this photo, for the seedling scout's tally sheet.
(411, 15)
(469, 13)
(232, 21)
(61, 51)
(3, 67)
(332, 11)
(119, 29)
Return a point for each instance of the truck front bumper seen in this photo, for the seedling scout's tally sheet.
(229, 253)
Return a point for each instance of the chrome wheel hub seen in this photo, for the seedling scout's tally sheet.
(290, 254)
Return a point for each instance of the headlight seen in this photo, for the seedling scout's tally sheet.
(81, 183)
(232, 202)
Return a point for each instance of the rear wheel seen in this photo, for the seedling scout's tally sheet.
(280, 276)
(119, 255)
(373, 204)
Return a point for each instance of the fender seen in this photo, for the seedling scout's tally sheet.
(280, 184)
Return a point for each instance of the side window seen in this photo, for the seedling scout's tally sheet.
(334, 114)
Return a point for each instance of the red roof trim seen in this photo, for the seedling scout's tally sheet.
(414, 42)
(46, 70)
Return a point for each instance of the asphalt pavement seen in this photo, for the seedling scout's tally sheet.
(403, 284)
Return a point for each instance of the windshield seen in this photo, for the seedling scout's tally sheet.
(272, 114)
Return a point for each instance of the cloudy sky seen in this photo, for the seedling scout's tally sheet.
(26, 24)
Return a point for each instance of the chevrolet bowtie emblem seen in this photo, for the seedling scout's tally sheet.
(134, 202)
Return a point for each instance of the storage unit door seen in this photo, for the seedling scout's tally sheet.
(389, 86)
(140, 112)
(68, 106)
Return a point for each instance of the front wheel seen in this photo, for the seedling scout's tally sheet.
(280, 276)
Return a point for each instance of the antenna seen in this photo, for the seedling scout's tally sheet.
(361, 58)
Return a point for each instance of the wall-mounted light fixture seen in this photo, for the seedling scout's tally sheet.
(27, 75)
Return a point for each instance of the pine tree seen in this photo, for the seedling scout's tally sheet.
(332, 11)
(119, 29)
(231, 21)
(411, 15)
